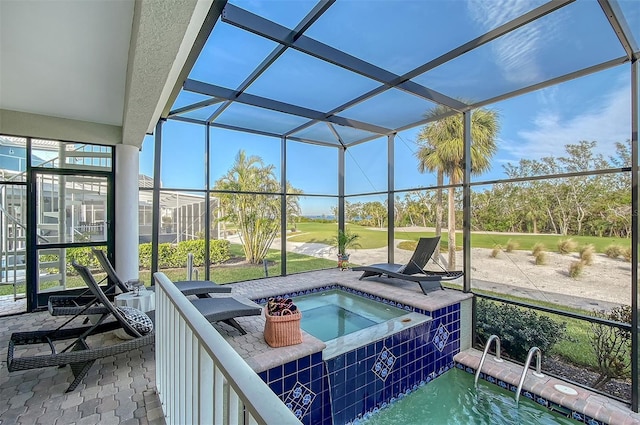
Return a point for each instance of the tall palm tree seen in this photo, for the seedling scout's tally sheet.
(441, 149)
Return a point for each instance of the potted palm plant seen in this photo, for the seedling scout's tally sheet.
(345, 240)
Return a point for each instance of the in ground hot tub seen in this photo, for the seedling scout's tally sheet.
(345, 321)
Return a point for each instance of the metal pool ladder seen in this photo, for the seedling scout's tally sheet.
(484, 355)
(537, 373)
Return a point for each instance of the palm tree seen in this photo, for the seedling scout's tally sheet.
(441, 149)
(256, 215)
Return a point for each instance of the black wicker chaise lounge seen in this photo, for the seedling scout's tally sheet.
(222, 308)
(414, 269)
(76, 352)
(219, 309)
(70, 305)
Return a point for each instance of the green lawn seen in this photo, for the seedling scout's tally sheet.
(324, 233)
(228, 273)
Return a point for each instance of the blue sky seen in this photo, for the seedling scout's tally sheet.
(594, 107)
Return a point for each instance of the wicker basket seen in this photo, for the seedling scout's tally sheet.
(280, 331)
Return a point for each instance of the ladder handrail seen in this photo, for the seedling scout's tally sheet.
(537, 373)
(497, 358)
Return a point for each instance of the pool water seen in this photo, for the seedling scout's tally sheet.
(331, 314)
(451, 399)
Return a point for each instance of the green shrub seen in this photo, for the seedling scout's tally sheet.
(613, 251)
(495, 251)
(576, 268)
(586, 254)
(166, 256)
(195, 247)
(565, 246)
(612, 346)
(82, 255)
(626, 254)
(519, 329)
(219, 251)
(540, 258)
(512, 245)
(144, 252)
(175, 255)
(539, 247)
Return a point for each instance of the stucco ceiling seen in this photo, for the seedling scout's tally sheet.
(97, 71)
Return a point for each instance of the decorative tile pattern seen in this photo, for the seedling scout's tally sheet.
(299, 400)
(441, 337)
(384, 364)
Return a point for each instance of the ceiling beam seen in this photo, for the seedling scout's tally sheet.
(306, 22)
(194, 106)
(274, 105)
(619, 24)
(162, 37)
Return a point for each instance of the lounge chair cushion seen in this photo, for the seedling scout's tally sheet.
(137, 319)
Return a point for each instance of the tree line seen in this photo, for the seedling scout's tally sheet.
(591, 205)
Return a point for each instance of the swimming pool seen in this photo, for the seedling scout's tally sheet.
(332, 314)
(452, 399)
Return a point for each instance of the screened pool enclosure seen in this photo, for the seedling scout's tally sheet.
(334, 97)
(505, 123)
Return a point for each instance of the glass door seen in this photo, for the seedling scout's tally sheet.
(71, 214)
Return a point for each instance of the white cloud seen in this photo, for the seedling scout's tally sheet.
(516, 52)
(607, 122)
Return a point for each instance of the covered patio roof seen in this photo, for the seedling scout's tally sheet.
(99, 71)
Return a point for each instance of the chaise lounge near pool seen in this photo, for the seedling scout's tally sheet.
(346, 379)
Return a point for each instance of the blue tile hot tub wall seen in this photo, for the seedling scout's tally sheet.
(369, 377)
(302, 385)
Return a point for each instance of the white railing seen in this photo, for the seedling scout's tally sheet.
(199, 377)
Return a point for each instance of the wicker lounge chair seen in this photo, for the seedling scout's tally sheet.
(77, 353)
(219, 309)
(199, 288)
(223, 308)
(414, 269)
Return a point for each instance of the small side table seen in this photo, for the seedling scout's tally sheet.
(144, 301)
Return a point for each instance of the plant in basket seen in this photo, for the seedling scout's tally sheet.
(282, 322)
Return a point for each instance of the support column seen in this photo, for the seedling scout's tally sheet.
(635, 294)
(126, 199)
(283, 206)
(466, 202)
(341, 212)
(207, 203)
(391, 207)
